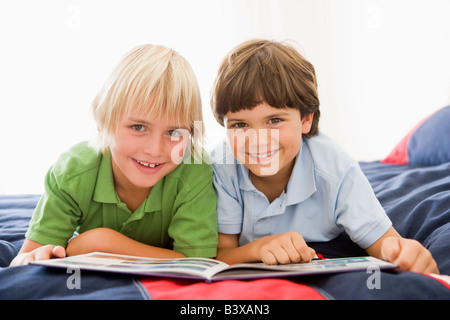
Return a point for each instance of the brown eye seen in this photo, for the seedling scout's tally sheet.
(275, 120)
(238, 125)
(138, 127)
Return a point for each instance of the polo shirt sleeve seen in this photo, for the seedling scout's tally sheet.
(194, 225)
(56, 215)
(358, 211)
(229, 200)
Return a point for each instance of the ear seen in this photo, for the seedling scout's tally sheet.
(307, 123)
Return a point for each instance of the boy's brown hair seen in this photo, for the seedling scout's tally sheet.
(259, 71)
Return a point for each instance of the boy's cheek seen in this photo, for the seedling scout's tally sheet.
(178, 151)
(237, 146)
(238, 153)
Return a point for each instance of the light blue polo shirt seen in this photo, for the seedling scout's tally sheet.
(326, 195)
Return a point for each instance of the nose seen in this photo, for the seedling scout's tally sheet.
(154, 145)
(256, 140)
(263, 140)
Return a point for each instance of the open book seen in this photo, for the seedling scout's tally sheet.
(209, 269)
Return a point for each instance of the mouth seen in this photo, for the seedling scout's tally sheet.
(148, 165)
(263, 157)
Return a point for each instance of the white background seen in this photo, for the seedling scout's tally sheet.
(381, 65)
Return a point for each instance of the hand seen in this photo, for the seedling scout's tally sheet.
(408, 254)
(41, 253)
(285, 248)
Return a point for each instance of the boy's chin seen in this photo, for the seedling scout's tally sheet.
(264, 171)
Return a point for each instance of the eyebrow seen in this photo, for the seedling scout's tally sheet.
(147, 123)
(274, 115)
(138, 120)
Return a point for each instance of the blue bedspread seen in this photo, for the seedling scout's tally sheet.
(417, 199)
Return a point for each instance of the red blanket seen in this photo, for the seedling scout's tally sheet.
(261, 289)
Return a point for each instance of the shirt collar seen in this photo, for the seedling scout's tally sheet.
(105, 192)
(244, 182)
(104, 187)
(301, 184)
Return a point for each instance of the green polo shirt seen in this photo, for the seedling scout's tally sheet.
(178, 214)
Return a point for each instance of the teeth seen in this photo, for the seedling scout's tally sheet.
(150, 165)
(260, 156)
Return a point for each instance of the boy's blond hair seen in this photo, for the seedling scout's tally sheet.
(152, 79)
(260, 71)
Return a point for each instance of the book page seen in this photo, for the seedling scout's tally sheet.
(209, 269)
(261, 270)
(198, 267)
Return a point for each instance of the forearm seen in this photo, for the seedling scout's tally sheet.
(246, 253)
(234, 255)
(375, 249)
(108, 240)
(29, 245)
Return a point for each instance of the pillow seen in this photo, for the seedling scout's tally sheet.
(427, 144)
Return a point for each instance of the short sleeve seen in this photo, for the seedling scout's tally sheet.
(358, 211)
(56, 215)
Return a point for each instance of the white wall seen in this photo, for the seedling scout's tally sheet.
(389, 67)
(381, 65)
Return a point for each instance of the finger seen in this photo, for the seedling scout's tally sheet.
(419, 262)
(408, 257)
(19, 260)
(311, 254)
(413, 256)
(390, 249)
(306, 253)
(290, 247)
(274, 251)
(43, 253)
(424, 262)
(28, 257)
(268, 258)
(280, 254)
(432, 268)
(58, 252)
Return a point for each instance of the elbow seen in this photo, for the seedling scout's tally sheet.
(89, 241)
(71, 249)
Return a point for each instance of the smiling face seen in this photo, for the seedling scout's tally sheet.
(143, 151)
(267, 139)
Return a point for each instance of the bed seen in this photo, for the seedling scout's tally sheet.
(415, 194)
